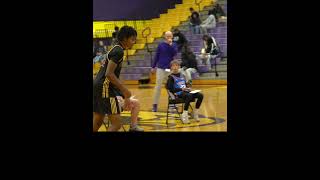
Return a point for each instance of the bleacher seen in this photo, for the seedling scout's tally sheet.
(139, 57)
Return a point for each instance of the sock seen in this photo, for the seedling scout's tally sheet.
(133, 125)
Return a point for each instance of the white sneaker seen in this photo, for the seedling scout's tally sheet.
(185, 117)
(136, 129)
(196, 115)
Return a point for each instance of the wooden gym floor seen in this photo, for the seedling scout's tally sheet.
(213, 111)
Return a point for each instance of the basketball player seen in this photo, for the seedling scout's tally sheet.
(110, 96)
(177, 85)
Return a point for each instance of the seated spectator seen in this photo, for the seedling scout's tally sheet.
(218, 12)
(101, 48)
(189, 63)
(98, 58)
(209, 23)
(179, 39)
(211, 49)
(176, 84)
(195, 21)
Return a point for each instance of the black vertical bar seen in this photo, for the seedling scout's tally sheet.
(135, 25)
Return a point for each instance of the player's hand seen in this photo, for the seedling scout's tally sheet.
(186, 89)
(127, 104)
(153, 70)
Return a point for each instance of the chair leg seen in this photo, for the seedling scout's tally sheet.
(167, 114)
(106, 125)
(177, 110)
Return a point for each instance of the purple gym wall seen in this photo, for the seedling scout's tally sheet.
(112, 10)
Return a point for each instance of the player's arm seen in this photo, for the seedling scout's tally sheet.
(114, 80)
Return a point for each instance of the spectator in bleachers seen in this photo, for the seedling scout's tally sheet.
(211, 49)
(114, 35)
(93, 52)
(218, 12)
(195, 21)
(179, 39)
(99, 57)
(209, 23)
(101, 48)
(189, 63)
(165, 52)
(98, 60)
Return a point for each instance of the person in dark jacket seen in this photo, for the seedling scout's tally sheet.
(189, 63)
(179, 39)
(218, 12)
(195, 21)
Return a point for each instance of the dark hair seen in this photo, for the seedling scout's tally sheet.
(210, 12)
(191, 9)
(186, 49)
(116, 28)
(126, 32)
(205, 37)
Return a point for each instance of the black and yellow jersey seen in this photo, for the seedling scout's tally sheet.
(101, 83)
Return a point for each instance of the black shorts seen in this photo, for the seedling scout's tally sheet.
(104, 101)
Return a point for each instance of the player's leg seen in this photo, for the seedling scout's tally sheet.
(97, 121)
(115, 122)
(135, 108)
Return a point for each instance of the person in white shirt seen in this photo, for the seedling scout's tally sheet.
(209, 23)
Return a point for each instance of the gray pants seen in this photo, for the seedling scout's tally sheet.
(206, 57)
(204, 28)
(161, 77)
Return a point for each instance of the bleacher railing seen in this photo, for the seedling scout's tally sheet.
(146, 33)
(108, 28)
(198, 4)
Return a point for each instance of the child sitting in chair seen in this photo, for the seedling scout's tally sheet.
(177, 85)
